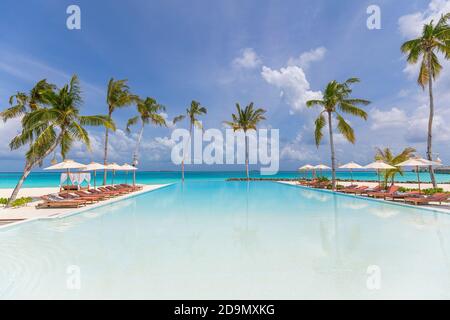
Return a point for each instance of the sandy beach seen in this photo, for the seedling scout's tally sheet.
(11, 215)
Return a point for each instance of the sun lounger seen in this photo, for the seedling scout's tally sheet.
(383, 194)
(116, 192)
(403, 195)
(87, 195)
(437, 197)
(70, 196)
(357, 190)
(350, 188)
(53, 201)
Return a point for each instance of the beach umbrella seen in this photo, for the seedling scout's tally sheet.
(418, 162)
(379, 165)
(322, 167)
(126, 167)
(306, 167)
(114, 167)
(66, 165)
(94, 166)
(351, 165)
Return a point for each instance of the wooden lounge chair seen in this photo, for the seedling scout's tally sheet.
(437, 197)
(52, 201)
(72, 197)
(357, 190)
(116, 192)
(348, 188)
(374, 189)
(87, 195)
(383, 194)
(135, 187)
(403, 195)
(108, 194)
(59, 204)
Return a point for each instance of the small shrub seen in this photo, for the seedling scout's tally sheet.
(3, 201)
(20, 202)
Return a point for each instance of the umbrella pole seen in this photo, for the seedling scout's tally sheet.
(95, 179)
(351, 174)
(418, 178)
(113, 175)
(134, 178)
(379, 179)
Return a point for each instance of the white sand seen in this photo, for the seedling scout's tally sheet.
(30, 211)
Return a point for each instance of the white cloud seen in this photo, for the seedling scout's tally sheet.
(248, 59)
(293, 85)
(411, 25)
(305, 59)
(387, 119)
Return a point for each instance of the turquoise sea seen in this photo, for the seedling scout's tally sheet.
(51, 179)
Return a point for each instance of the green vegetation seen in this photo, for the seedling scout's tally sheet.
(192, 113)
(388, 156)
(428, 191)
(55, 124)
(19, 202)
(118, 95)
(245, 120)
(337, 97)
(149, 112)
(434, 39)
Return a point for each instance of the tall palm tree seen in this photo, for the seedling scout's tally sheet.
(389, 157)
(118, 96)
(21, 103)
(336, 97)
(149, 112)
(245, 120)
(192, 113)
(435, 38)
(57, 124)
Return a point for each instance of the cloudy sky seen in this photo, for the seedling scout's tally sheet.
(277, 54)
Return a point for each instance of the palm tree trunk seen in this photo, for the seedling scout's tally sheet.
(333, 157)
(27, 170)
(246, 156)
(105, 156)
(138, 144)
(430, 123)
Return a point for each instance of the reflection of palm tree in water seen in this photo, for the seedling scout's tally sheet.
(341, 270)
(245, 236)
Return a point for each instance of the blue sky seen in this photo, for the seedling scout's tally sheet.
(274, 53)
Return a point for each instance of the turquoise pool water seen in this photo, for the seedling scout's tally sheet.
(231, 240)
(51, 179)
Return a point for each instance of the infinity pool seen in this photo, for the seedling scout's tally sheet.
(210, 240)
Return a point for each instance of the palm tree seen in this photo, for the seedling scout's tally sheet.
(435, 38)
(149, 112)
(245, 120)
(389, 157)
(336, 97)
(21, 103)
(117, 96)
(56, 124)
(192, 113)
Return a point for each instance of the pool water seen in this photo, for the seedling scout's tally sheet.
(231, 240)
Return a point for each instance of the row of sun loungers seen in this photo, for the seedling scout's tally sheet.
(392, 193)
(80, 198)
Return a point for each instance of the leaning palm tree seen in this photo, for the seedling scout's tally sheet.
(192, 113)
(387, 156)
(336, 97)
(21, 103)
(118, 96)
(149, 112)
(435, 38)
(57, 124)
(245, 120)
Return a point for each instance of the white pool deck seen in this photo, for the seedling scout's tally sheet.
(434, 207)
(16, 215)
